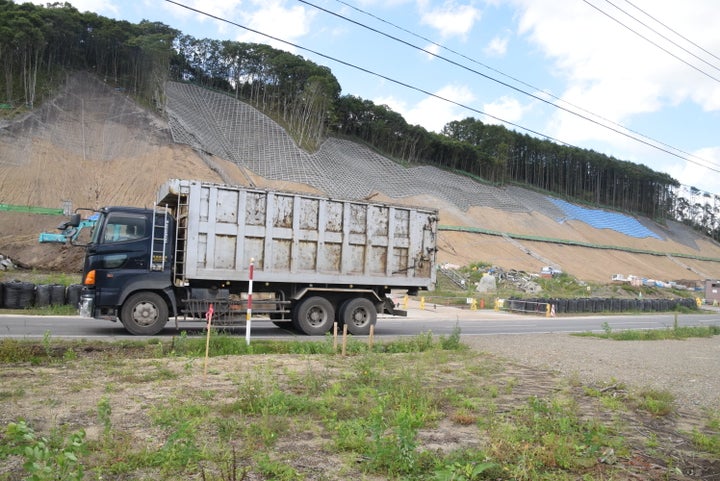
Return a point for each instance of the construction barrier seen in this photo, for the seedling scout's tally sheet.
(552, 307)
(21, 295)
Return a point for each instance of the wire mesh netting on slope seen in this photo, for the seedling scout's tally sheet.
(221, 125)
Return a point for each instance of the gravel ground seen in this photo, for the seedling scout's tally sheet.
(689, 368)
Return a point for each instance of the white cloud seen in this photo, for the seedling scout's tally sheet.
(433, 48)
(451, 19)
(692, 174)
(274, 18)
(497, 47)
(432, 112)
(505, 108)
(219, 8)
(610, 71)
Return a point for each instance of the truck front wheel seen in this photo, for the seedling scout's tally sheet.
(358, 315)
(144, 314)
(314, 316)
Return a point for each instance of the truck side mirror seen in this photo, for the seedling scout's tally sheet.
(74, 220)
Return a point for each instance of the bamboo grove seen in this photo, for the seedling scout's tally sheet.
(39, 43)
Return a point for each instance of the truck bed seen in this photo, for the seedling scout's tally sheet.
(298, 238)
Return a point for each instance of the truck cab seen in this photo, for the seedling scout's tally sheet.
(129, 257)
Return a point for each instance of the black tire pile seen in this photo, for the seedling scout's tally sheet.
(21, 295)
(600, 304)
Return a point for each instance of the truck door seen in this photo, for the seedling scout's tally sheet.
(119, 252)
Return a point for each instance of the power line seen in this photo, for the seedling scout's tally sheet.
(673, 31)
(664, 36)
(651, 41)
(368, 71)
(519, 81)
(656, 144)
(428, 93)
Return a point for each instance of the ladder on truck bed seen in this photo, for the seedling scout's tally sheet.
(158, 256)
(181, 233)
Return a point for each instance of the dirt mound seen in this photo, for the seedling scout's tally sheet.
(93, 146)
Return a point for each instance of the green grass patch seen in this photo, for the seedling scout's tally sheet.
(670, 333)
(424, 408)
(656, 402)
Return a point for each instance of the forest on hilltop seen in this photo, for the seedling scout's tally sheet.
(39, 43)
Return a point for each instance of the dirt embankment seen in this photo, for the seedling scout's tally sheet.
(93, 146)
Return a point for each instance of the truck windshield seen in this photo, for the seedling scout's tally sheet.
(119, 227)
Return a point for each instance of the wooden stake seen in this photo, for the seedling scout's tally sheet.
(335, 334)
(344, 340)
(371, 339)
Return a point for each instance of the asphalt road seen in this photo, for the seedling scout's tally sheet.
(439, 320)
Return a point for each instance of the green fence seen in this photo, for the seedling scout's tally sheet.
(29, 209)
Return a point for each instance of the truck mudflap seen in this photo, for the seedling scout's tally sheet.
(390, 307)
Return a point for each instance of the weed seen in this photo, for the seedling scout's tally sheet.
(277, 470)
(709, 443)
(69, 355)
(47, 344)
(46, 458)
(612, 395)
(657, 403)
(464, 417)
(104, 412)
(464, 471)
(231, 469)
(452, 342)
(17, 393)
(13, 350)
(180, 449)
(392, 449)
(607, 329)
(544, 435)
(682, 332)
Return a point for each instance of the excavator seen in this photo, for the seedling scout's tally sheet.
(69, 230)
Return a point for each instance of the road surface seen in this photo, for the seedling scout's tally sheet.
(439, 320)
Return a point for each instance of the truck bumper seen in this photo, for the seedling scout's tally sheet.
(87, 305)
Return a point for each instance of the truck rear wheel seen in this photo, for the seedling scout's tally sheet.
(144, 314)
(314, 316)
(358, 315)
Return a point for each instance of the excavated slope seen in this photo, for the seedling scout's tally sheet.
(92, 145)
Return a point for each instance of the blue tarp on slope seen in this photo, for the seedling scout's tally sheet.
(601, 219)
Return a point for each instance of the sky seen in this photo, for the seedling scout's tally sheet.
(638, 80)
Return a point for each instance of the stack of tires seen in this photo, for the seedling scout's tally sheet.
(21, 295)
(597, 305)
(49, 295)
(18, 295)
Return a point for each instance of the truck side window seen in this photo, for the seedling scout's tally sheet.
(122, 228)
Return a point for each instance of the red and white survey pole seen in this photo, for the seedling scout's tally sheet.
(248, 321)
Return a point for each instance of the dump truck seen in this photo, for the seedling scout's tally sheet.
(299, 261)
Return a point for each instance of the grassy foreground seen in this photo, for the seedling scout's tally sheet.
(423, 408)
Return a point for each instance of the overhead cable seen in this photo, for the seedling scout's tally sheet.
(652, 42)
(434, 95)
(699, 47)
(519, 81)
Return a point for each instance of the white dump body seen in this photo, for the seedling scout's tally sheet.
(298, 238)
